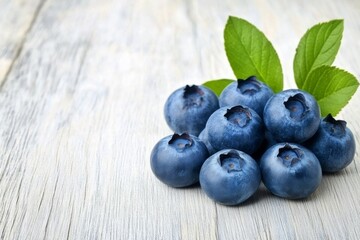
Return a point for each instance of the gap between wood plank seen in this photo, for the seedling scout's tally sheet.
(22, 42)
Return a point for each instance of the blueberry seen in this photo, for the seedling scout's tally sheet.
(250, 92)
(188, 108)
(176, 160)
(236, 127)
(292, 116)
(230, 177)
(269, 139)
(204, 137)
(266, 144)
(290, 171)
(333, 144)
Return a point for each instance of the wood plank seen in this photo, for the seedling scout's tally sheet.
(76, 163)
(16, 19)
(36, 194)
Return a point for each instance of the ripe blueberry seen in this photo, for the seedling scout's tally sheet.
(266, 144)
(187, 109)
(292, 116)
(235, 127)
(204, 137)
(176, 160)
(333, 144)
(230, 177)
(290, 171)
(250, 92)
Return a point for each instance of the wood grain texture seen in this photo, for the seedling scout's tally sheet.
(16, 19)
(81, 109)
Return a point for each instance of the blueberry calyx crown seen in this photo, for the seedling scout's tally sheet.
(249, 86)
(238, 115)
(231, 161)
(193, 96)
(290, 155)
(296, 106)
(180, 142)
(334, 127)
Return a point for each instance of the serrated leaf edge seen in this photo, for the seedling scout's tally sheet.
(258, 74)
(340, 22)
(326, 68)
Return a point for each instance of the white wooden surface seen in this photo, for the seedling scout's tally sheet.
(83, 85)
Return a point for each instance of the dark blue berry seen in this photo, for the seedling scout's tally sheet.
(176, 160)
(250, 92)
(290, 171)
(187, 109)
(236, 127)
(230, 177)
(292, 116)
(333, 144)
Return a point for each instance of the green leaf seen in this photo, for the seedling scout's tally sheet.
(250, 53)
(217, 85)
(332, 88)
(317, 47)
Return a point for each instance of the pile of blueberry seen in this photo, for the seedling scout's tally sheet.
(248, 135)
